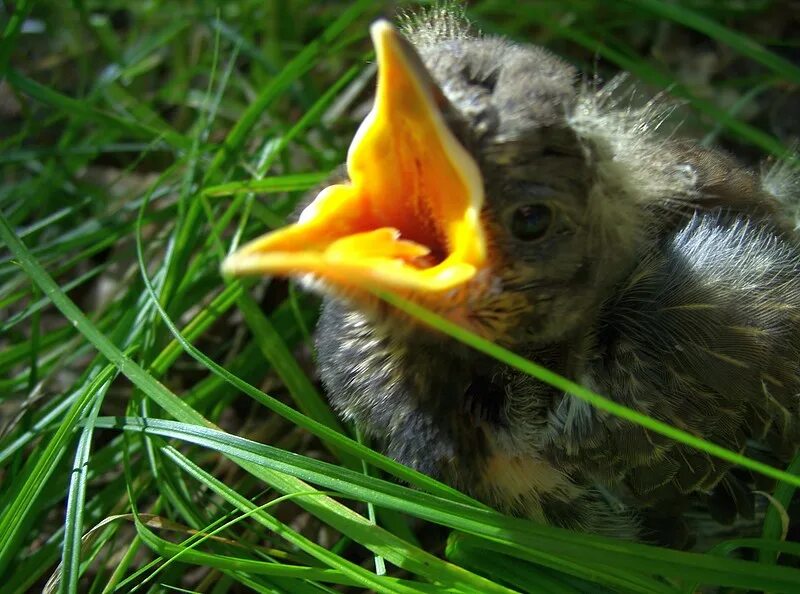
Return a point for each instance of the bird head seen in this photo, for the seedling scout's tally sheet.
(481, 185)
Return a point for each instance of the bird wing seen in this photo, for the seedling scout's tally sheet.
(703, 335)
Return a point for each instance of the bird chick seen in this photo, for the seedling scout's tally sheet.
(489, 185)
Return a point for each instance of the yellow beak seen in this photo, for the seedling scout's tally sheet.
(410, 216)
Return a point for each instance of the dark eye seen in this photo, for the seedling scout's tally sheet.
(531, 222)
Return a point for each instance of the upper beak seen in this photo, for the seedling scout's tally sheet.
(410, 216)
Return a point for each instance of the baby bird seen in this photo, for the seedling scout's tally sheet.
(490, 186)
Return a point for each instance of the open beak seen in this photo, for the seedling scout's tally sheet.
(409, 218)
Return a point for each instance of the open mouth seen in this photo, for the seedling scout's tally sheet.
(409, 218)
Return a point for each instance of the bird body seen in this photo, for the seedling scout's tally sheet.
(654, 271)
(702, 334)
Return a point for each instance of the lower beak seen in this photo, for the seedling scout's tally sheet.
(409, 218)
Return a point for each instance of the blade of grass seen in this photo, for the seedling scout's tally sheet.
(77, 108)
(293, 70)
(179, 409)
(20, 503)
(76, 499)
(743, 44)
(283, 183)
(274, 349)
(601, 402)
(526, 577)
(186, 552)
(416, 560)
(342, 518)
(12, 29)
(554, 547)
(773, 521)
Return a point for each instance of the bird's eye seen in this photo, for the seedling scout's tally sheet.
(531, 222)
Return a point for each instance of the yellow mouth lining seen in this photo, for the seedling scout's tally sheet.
(410, 216)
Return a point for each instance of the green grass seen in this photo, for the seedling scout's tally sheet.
(159, 429)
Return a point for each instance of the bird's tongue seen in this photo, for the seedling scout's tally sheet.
(409, 218)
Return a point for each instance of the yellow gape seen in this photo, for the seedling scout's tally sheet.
(409, 218)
